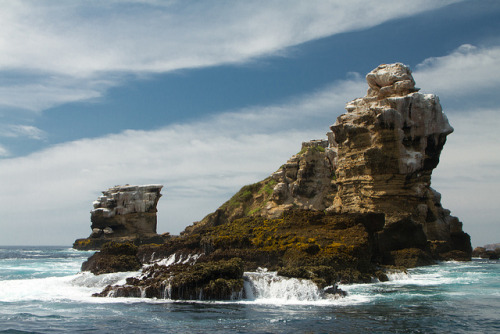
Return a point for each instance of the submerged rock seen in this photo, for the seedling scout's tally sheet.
(124, 214)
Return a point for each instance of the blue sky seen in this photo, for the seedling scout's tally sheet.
(207, 96)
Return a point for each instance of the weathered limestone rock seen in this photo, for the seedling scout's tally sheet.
(388, 143)
(126, 210)
(124, 213)
(378, 158)
(306, 181)
(339, 210)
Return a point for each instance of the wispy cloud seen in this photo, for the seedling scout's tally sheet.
(84, 42)
(38, 93)
(27, 131)
(201, 164)
(4, 152)
(468, 70)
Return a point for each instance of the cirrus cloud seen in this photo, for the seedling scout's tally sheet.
(68, 49)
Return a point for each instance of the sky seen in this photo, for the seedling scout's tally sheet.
(207, 96)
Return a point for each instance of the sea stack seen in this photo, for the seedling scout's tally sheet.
(378, 158)
(343, 209)
(123, 214)
(387, 144)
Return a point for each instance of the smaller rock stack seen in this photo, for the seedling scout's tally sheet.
(124, 214)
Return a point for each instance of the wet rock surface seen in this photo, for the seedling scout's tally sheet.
(491, 252)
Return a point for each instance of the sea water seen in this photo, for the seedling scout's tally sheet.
(43, 291)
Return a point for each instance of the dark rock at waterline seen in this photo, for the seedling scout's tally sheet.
(323, 247)
(216, 280)
(484, 253)
(113, 257)
(335, 290)
(409, 258)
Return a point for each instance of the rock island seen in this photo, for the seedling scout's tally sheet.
(343, 209)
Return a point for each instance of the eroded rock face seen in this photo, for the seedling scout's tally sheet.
(378, 158)
(126, 210)
(123, 213)
(306, 181)
(338, 210)
(388, 143)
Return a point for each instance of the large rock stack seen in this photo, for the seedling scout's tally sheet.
(341, 209)
(388, 143)
(123, 213)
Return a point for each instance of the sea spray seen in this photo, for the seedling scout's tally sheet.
(264, 285)
(447, 297)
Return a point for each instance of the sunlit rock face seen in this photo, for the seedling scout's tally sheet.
(338, 210)
(378, 158)
(305, 181)
(124, 214)
(127, 210)
(388, 143)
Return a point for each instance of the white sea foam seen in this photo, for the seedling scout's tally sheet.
(179, 259)
(79, 287)
(270, 286)
(265, 287)
(260, 287)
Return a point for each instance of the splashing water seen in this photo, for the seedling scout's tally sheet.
(41, 290)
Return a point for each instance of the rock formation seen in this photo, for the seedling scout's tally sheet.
(490, 251)
(123, 213)
(388, 143)
(379, 158)
(339, 210)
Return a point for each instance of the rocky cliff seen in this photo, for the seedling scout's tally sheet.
(341, 209)
(378, 158)
(123, 213)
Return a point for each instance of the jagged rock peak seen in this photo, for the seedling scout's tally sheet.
(125, 214)
(122, 200)
(388, 143)
(390, 79)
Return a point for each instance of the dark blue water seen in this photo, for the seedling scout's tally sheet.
(42, 291)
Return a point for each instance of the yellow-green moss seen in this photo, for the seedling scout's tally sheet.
(300, 238)
(312, 149)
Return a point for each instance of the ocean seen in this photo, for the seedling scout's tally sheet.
(43, 291)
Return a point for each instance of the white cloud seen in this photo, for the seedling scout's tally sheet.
(82, 42)
(4, 152)
(468, 175)
(27, 131)
(38, 93)
(201, 164)
(468, 70)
